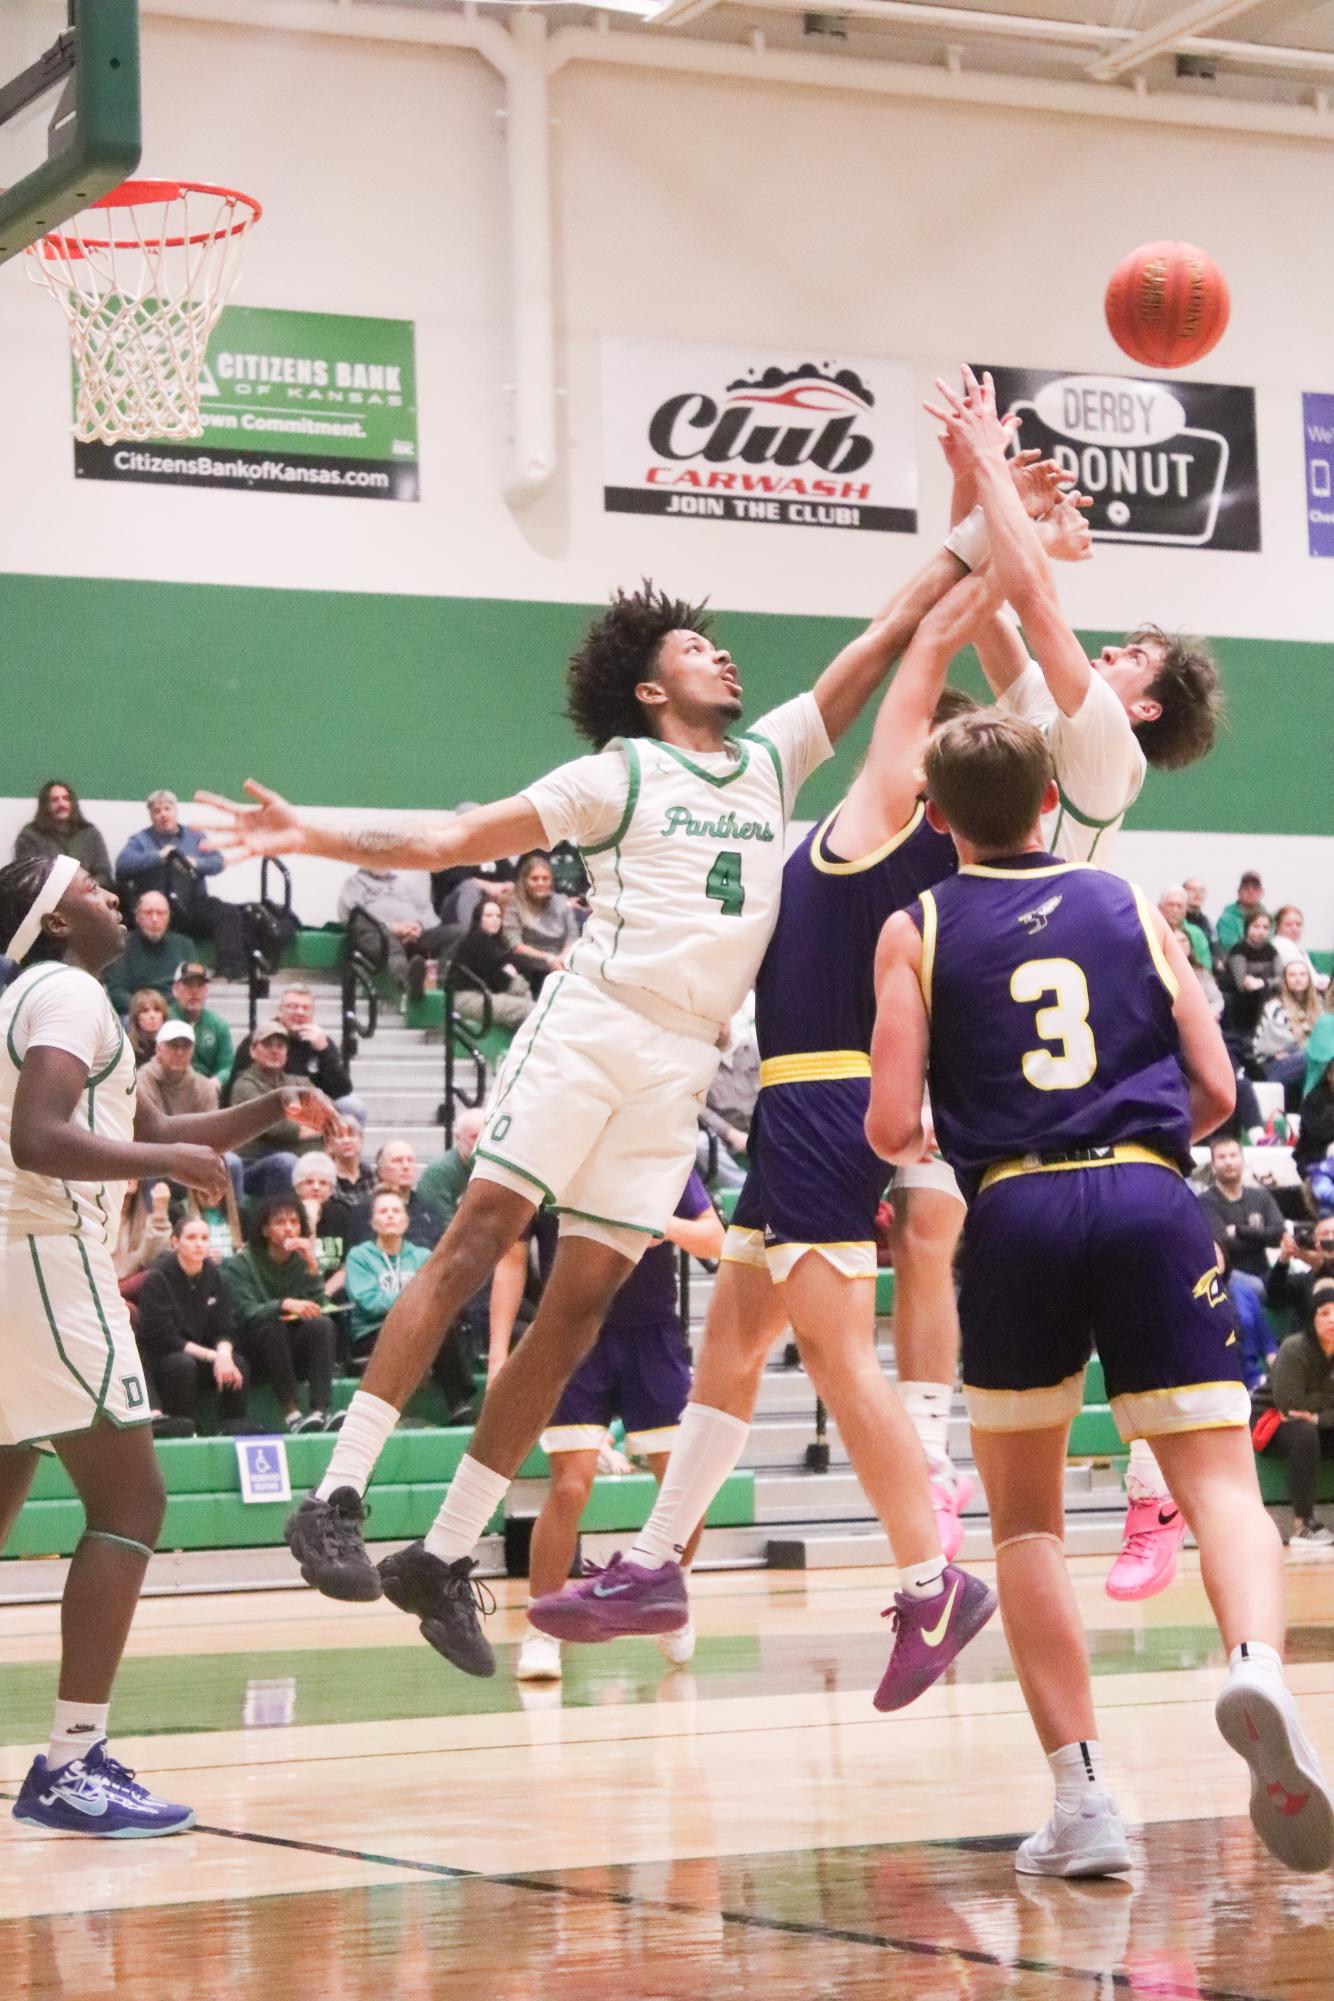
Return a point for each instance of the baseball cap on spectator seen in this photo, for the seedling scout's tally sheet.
(175, 1031)
(1250, 880)
(266, 1030)
(190, 970)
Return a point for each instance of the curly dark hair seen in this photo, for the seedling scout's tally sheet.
(20, 883)
(272, 1205)
(42, 817)
(1188, 689)
(619, 652)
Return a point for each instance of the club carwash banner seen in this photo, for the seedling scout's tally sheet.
(758, 436)
(318, 403)
(1166, 462)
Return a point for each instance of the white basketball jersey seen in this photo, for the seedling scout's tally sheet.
(685, 892)
(60, 1007)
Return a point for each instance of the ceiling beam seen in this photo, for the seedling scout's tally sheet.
(1166, 35)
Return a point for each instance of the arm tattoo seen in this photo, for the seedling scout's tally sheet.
(372, 843)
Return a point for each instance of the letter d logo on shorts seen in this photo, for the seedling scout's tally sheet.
(134, 1392)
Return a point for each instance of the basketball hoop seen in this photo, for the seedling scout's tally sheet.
(142, 276)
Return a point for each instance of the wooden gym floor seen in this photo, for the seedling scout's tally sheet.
(375, 1825)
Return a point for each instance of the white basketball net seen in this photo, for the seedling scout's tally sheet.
(142, 284)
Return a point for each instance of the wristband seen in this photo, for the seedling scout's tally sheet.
(969, 540)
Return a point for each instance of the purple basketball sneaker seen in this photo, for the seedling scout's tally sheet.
(96, 1795)
(931, 1632)
(610, 1604)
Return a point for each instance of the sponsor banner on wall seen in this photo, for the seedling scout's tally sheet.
(740, 434)
(322, 403)
(1318, 430)
(1166, 462)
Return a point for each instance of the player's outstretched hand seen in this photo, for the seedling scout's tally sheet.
(311, 1109)
(1065, 533)
(1039, 482)
(200, 1168)
(970, 419)
(240, 831)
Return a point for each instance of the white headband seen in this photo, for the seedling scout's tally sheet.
(63, 871)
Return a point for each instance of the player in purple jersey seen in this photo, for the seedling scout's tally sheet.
(801, 1247)
(1072, 1058)
(638, 1371)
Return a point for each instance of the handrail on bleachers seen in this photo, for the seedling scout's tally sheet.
(469, 1035)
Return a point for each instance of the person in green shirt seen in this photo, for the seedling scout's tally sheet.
(441, 1183)
(282, 1318)
(1250, 903)
(377, 1271)
(213, 1038)
(152, 953)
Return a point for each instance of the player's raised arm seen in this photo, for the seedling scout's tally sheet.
(852, 676)
(1204, 1058)
(270, 826)
(899, 1045)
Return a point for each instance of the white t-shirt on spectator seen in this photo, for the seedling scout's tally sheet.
(685, 854)
(1099, 764)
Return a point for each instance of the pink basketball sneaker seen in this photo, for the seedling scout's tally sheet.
(1147, 1562)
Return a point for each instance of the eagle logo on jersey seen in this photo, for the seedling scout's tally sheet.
(1036, 920)
(1210, 1287)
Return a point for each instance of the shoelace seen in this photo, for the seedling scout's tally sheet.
(590, 1569)
(121, 1775)
(482, 1596)
(1138, 1542)
(338, 1524)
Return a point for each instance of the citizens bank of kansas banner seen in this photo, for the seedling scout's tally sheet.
(758, 436)
(322, 403)
(1166, 462)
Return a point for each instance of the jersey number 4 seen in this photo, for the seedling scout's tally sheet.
(1065, 1022)
(724, 883)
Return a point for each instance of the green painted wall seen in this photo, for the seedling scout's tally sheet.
(351, 699)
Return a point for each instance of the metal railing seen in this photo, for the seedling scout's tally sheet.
(468, 1034)
(365, 956)
(260, 965)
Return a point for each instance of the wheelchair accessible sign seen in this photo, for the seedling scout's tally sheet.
(262, 1465)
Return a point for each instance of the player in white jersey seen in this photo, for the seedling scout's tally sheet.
(595, 1107)
(1153, 700)
(72, 1132)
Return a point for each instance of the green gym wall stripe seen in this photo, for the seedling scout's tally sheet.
(348, 698)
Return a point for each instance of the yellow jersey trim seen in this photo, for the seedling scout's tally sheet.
(1162, 963)
(1117, 1156)
(1179, 1390)
(1020, 874)
(826, 867)
(930, 921)
(817, 1066)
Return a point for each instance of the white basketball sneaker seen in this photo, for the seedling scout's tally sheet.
(1290, 1802)
(1086, 1840)
(677, 1647)
(539, 1657)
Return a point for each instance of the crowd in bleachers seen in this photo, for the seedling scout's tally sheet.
(291, 1278)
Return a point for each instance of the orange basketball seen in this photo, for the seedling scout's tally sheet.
(1167, 304)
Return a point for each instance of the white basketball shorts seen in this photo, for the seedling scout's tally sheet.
(67, 1351)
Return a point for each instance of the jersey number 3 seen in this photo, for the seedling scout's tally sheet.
(724, 883)
(1065, 1022)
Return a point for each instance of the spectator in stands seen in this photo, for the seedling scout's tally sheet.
(1289, 924)
(540, 924)
(1284, 1029)
(1175, 908)
(223, 1222)
(455, 892)
(355, 1179)
(152, 953)
(491, 1315)
(213, 1038)
(1197, 895)
(1258, 1344)
(1242, 1215)
(399, 901)
(145, 1227)
(58, 827)
(486, 953)
(379, 1268)
(441, 1183)
(1290, 1291)
(268, 1161)
(1250, 978)
(171, 858)
(186, 1331)
(1316, 1136)
(312, 1054)
(278, 1302)
(172, 1086)
(1234, 919)
(730, 1106)
(396, 1168)
(1301, 1390)
(333, 1221)
(143, 1018)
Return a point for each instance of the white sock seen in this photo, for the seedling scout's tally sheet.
(1077, 1770)
(471, 1499)
(924, 1580)
(928, 1408)
(75, 1728)
(367, 1425)
(709, 1445)
(1256, 1654)
(1144, 1478)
